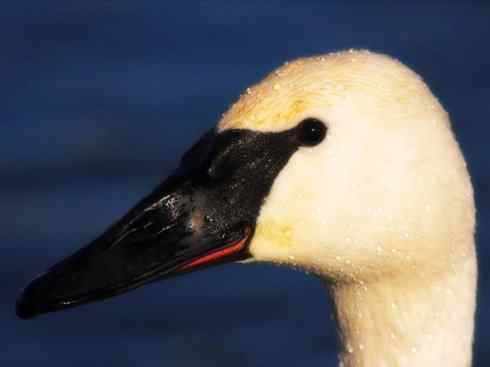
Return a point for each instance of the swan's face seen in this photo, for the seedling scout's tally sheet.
(344, 165)
(386, 191)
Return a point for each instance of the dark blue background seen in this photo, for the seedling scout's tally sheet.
(98, 100)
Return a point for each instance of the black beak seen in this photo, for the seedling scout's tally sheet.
(167, 234)
(202, 215)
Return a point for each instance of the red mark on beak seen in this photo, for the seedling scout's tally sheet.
(214, 256)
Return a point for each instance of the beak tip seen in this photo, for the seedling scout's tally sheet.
(29, 304)
(24, 309)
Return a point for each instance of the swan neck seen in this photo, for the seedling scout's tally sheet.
(414, 320)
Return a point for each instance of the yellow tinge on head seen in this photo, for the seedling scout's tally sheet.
(283, 98)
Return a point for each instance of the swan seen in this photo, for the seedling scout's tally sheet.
(343, 165)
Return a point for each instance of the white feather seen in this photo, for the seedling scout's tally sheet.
(382, 210)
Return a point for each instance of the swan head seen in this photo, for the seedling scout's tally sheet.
(343, 165)
(386, 191)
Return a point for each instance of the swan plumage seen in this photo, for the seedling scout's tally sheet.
(381, 210)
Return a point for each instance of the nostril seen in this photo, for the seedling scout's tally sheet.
(211, 173)
(221, 169)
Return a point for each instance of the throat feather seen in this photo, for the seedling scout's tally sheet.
(409, 321)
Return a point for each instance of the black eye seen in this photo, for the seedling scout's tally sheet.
(311, 132)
